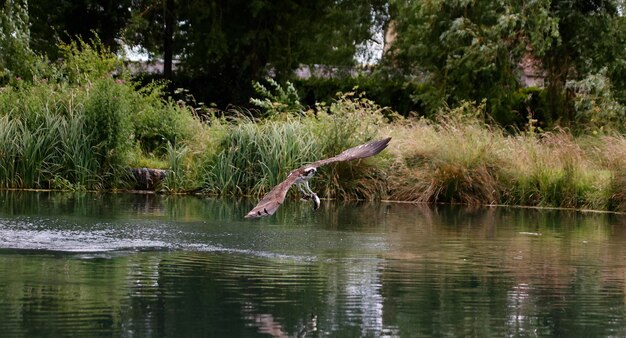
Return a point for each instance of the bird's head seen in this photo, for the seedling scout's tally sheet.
(309, 172)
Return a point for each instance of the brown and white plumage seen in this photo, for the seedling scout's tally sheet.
(273, 199)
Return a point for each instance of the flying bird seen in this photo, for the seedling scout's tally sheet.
(301, 176)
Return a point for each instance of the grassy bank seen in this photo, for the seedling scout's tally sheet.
(460, 160)
(455, 158)
(253, 156)
(81, 128)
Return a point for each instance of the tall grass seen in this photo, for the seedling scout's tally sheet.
(254, 157)
(80, 128)
(612, 155)
(183, 170)
(455, 158)
(554, 170)
(61, 136)
(451, 160)
(352, 120)
(75, 169)
(461, 160)
(8, 152)
(46, 136)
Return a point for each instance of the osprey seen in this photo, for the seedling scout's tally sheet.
(301, 176)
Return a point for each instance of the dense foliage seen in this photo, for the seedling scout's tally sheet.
(81, 121)
(470, 50)
(221, 46)
(440, 53)
(74, 126)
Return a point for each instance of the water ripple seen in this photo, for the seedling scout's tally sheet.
(62, 236)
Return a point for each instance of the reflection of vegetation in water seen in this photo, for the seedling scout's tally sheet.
(349, 269)
(538, 267)
(112, 205)
(64, 297)
(172, 294)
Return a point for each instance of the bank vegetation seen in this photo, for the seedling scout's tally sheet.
(83, 122)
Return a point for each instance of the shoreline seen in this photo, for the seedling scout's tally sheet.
(196, 194)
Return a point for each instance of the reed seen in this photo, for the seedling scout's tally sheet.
(553, 170)
(463, 160)
(254, 157)
(8, 152)
(182, 172)
(85, 132)
(54, 134)
(36, 151)
(612, 154)
(351, 120)
(452, 160)
(76, 168)
(30, 155)
(79, 128)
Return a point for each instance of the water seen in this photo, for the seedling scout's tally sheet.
(144, 265)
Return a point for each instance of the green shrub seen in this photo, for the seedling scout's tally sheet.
(278, 100)
(159, 123)
(531, 104)
(597, 111)
(400, 95)
(17, 61)
(78, 130)
(86, 62)
(108, 122)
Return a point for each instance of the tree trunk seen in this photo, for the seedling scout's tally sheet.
(168, 37)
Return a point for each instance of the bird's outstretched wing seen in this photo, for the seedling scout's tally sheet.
(364, 150)
(273, 199)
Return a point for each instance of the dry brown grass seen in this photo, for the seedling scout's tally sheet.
(544, 170)
(450, 161)
(613, 156)
(466, 161)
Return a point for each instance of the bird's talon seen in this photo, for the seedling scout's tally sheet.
(316, 201)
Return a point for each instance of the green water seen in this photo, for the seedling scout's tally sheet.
(150, 266)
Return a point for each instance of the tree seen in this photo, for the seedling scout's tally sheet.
(64, 20)
(223, 46)
(591, 36)
(468, 50)
(17, 59)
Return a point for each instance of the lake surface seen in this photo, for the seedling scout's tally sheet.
(180, 266)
